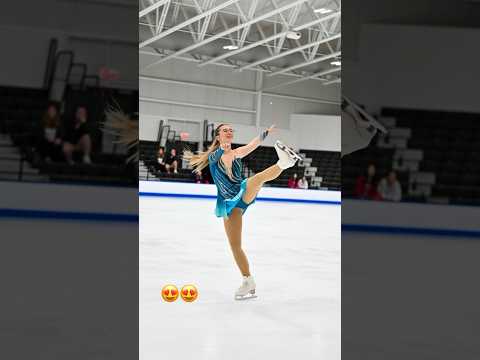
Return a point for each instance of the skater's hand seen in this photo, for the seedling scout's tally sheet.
(226, 146)
(271, 128)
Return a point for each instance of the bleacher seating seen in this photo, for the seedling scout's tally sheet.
(328, 164)
(148, 156)
(21, 111)
(448, 146)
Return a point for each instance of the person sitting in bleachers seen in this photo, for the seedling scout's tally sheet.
(200, 178)
(303, 183)
(49, 139)
(78, 138)
(293, 182)
(171, 161)
(389, 188)
(160, 165)
(366, 185)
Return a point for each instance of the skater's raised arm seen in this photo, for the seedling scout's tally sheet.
(243, 151)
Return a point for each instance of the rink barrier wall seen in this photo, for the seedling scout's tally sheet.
(380, 229)
(410, 218)
(46, 201)
(209, 191)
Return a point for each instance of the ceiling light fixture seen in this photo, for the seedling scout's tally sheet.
(323, 10)
(294, 35)
(336, 63)
(230, 47)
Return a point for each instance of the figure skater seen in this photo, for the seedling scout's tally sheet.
(235, 193)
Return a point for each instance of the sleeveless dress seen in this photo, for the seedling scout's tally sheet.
(229, 190)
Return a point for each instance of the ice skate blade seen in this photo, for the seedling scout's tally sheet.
(245, 297)
(289, 151)
(250, 295)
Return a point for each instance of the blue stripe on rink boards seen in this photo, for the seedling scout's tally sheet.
(67, 215)
(198, 196)
(384, 229)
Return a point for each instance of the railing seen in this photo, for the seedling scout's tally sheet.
(52, 89)
(83, 73)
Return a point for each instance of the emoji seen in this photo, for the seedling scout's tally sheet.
(170, 293)
(189, 293)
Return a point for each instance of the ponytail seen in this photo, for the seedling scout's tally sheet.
(199, 160)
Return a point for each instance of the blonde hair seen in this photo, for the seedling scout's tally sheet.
(199, 160)
(124, 128)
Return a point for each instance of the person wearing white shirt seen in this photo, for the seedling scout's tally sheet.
(303, 183)
(389, 188)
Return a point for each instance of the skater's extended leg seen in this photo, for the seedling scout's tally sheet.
(286, 158)
(255, 182)
(233, 228)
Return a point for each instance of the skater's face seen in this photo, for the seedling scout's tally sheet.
(225, 134)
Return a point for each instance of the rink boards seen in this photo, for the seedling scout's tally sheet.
(42, 200)
(209, 191)
(68, 202)
(410, 218)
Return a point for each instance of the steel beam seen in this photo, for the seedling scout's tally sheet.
(223, 33)
(335, 81)
(314, 61)
(316, 75)
(188, 22)
(152, 7)
(189, 104)
(289, 52)
(237, 90)
(266, 40)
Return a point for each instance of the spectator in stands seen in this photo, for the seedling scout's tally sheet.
(303, 183)
(247, 171)
(78, 138)
(172, 161)
(160, 165)
(200, 178)
(49, 140)
(389, 188)
(293, 182)
(366, 185)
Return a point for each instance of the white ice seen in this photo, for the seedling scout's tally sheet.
(294, 254)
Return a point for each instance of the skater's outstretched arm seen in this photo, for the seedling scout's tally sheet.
(243, 151)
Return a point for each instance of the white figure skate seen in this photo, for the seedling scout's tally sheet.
(358, 127)
(247, 290)
(286, 156)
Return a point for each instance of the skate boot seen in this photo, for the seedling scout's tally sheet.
(286, 156)
(247, 290)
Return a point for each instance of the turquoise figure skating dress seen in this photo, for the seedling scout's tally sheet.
(229, 190)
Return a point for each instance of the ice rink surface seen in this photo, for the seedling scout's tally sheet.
(294, 254)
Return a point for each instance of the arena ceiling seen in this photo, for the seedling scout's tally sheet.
(298, 38)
